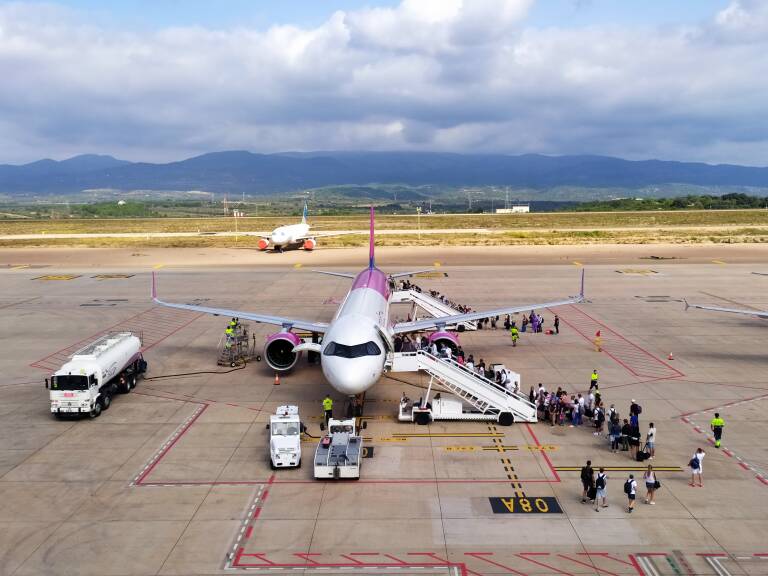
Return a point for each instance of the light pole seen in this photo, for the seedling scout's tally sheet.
(418, 220)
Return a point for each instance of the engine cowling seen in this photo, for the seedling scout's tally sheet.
(309, 244)
(262, 244)
(278, 351)
(445, 339)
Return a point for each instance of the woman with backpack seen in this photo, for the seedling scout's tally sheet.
(630, 489)
(601, 483)
(696, 468)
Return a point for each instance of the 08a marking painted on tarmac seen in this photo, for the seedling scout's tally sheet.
(525, 505)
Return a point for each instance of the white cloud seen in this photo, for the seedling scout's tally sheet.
(460, 75)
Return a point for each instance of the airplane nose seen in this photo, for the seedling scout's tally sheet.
(350, 377)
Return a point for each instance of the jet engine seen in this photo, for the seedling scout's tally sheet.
(445, 339)
(278, 351)
(262, 244)
(309, 244)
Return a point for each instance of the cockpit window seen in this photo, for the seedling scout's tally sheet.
(354, 351)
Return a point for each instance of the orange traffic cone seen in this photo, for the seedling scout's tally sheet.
(670, 357)
(277, 379)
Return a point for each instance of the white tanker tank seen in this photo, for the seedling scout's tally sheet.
(94, 374)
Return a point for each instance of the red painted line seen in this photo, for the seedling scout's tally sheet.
(306, 556)
(592, 566)
(728, 453)
(524, 556)
(634, 562)
(238, 555)
(482, 556)
(763, 480)
(743, 465)
(256, 513)
(712, 554)
(264, 496)
(605, 555)
(543, 453)
(248, 532)
(394, 558)
(162, 455)
(348, 557)
(363, 553)
(722, 405)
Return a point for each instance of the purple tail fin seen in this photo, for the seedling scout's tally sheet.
(371, 262)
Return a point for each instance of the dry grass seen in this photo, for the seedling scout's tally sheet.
(540, 221)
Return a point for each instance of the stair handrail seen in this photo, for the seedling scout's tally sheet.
(474, 374)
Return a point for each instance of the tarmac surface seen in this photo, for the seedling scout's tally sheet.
(174, 478)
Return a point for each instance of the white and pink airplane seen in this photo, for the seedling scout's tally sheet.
(356, 341)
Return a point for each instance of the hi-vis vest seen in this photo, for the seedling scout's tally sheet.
(717, 422)
(327, 404)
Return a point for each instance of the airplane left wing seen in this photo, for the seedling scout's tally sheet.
(263, 318)
(758, 313)
(428, 323)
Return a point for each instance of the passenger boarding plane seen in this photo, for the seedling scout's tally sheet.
(758, 313)
(356, 341)
(292, 235)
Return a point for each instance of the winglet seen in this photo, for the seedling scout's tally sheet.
(154, 286)
(371, 262)
(581, 290)
(304, 213)
(686, 304)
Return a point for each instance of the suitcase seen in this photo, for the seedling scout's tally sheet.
(643, 455)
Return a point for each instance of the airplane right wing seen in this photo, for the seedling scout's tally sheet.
(758, 313)
(441, 321)
(320, 327)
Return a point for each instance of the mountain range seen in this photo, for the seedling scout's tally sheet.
(262, 174)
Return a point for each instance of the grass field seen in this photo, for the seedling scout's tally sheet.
(546, 220)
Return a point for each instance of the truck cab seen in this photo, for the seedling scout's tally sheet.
(285, 430)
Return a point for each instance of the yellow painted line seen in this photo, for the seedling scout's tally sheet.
(437, 264)
(158, 266)
(718, 262)
(621, 468)
(460, 448)
(393, 439)
(298, 265)
(20, 267)
(577, 263)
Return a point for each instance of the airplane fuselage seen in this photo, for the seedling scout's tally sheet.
(354, 349)
(288, 235)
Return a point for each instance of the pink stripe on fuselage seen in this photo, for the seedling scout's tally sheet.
(374, 279)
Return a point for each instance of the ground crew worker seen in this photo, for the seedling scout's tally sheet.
(593, 379)
(515, 335)
(717, 425)
(230, 334)
(328, 408)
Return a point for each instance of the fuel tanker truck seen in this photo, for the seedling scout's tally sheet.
(89, 380)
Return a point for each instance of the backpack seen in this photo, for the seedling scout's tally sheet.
(600, 482)
(639, 409)
(694, 463)
(628, 487)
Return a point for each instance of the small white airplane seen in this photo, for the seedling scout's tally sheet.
(356, 341)
(758, 313)
(292, 235)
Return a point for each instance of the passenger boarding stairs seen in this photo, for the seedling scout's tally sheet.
(430, 305)
(482, 394)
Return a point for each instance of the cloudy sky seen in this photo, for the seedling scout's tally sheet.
(160, 80)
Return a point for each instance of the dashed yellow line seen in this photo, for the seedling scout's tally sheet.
(437, 264)
(20, 267)
(577, 263)
(718, 262)
(298, 265)
(158, 266)
(450, 435)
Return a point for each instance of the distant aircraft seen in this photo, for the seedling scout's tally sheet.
(356, 341)
(758, 313)
(292, 235)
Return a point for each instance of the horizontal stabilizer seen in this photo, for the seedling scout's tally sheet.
(411, 273)
(342, 274)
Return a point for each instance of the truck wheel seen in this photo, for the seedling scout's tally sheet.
(272, 465)
(96, 412)
(422, 418)
(106, 401)
(506, 419)
(133, 381)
